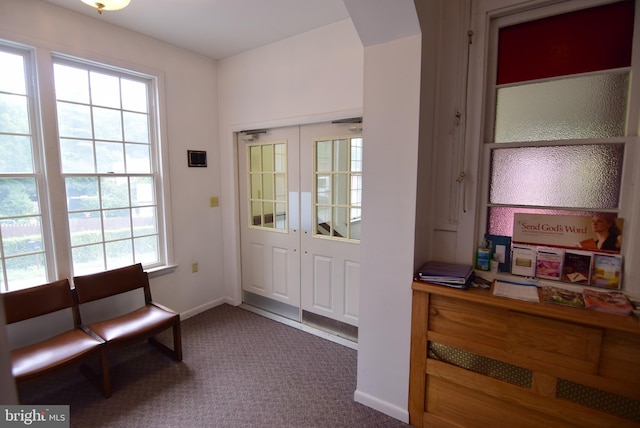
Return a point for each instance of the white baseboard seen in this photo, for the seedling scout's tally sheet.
(199, 309)
(382, 406)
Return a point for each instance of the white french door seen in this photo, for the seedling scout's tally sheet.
(269, 215)
(300, 190)
(331, 190)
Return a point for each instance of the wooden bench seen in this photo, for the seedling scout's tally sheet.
(143, 323)
(74, 346)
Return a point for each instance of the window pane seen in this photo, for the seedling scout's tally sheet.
(341, 155)
(119, 254)
(18, 197)
(146, 250)
(21, 236)
(82, 193)
(138, 158)
(107, 124)
(12, 73)
(256, 213)
(142, 191)
(267, 158)
(356, 154)
(74, 120)
(323, 189)
(584, 176)
(580, 107)
(145, 222)
(281, 216)
(136, 127)
(255, 159)
(340, 222)
(110, 157)
(85, 227)
(281, 187)
(117, 224)
(323, 156)
(105, 90)
(15, 154)
(586, 40)
(72, 84)
(280, 157)
(336, 186)
(114, 192)
(354, 230)
(26, 271)
(88, 259)
(14, 114)
(134, 95)
(267, 186)
(323, 220)
(256, 186)
(340, 189)
(76, 156)
(356, 190)
(268, 212)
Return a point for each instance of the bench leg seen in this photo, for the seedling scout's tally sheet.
(176, 352)
(102, 382)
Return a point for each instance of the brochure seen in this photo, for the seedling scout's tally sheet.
(607, 301)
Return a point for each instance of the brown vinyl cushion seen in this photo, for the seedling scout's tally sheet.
(129, 326)
(58, 350)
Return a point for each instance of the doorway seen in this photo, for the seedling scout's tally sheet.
(300, 191)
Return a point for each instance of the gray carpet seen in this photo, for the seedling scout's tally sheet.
(239, 370)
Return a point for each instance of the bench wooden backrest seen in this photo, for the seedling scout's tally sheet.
(109, 283)
(33, 302)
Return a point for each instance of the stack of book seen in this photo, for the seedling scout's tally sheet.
(449, 274)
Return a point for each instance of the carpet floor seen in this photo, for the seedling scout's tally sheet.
(240, 369)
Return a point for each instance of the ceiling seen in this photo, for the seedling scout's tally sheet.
(218, 28)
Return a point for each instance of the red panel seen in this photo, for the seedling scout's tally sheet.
(587, 40)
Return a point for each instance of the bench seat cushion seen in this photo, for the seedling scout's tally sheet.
(53, 352)
(131, 325)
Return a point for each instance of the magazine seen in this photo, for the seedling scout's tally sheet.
(607, 271)
(607, 301)
(563, 296)
(577, 267)
(549, 263)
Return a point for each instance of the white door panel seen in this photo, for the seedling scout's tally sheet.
(330, 264)
(268, 187)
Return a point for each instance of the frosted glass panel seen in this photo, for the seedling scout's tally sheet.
(583, 176)
(580, 107)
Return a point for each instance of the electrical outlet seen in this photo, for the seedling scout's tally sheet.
(194, 267)
(213, 201)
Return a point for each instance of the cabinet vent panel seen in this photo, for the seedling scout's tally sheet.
(478, 364)
(600, 400)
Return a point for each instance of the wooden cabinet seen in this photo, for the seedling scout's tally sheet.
(484, 361)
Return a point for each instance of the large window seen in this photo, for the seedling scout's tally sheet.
(555, 140)
(105, 157)
(23, 254)
(104, 124)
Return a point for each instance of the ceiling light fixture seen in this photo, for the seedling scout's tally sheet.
(107, 4)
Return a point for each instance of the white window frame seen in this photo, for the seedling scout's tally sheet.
(471, 228)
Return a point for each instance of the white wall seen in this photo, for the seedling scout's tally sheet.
(188, 88)
(390, 161)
